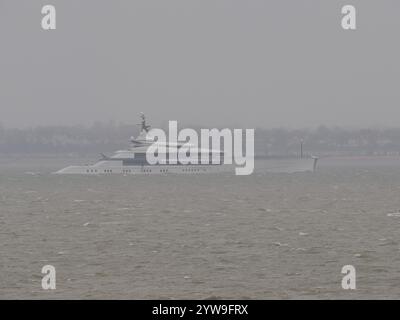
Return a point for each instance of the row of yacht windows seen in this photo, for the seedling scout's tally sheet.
(95, 171)
(193, 170)
(145, 170)
(129, 170)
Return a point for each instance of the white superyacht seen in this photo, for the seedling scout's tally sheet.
(135, 161)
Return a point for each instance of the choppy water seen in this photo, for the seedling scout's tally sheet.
(201, 236)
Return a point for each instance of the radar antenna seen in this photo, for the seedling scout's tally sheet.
(143, 126)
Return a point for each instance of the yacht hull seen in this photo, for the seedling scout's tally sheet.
(135, 170)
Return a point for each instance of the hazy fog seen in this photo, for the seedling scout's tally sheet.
(255, 63)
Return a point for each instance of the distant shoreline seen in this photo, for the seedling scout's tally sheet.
(74, 155)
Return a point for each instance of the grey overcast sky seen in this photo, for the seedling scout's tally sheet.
(253, 63)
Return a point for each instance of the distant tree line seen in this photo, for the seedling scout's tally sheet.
(107, 137)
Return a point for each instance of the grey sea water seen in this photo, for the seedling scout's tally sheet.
(264, 236)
